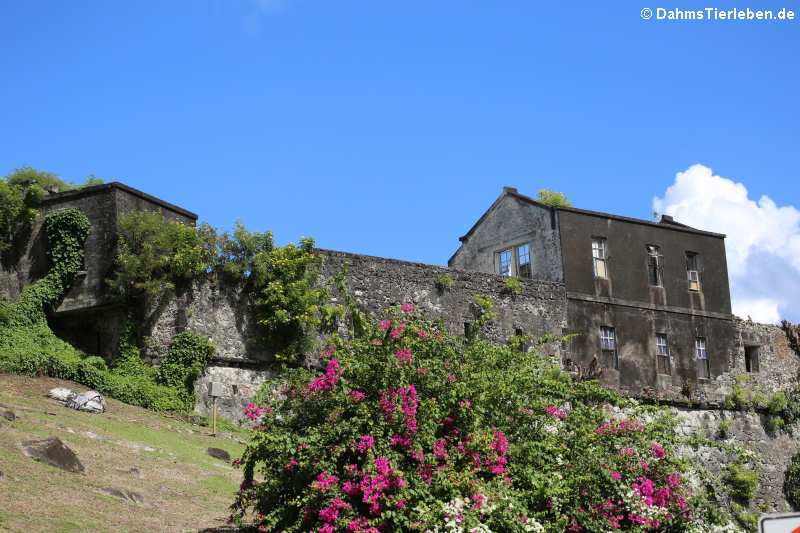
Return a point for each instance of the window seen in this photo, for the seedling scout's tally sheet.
(654, 265)
(608, 347)
(751, 358)
(693, 271)
(524, 261)
(505, 263)
(599, 257)
(662, 354)
(701, 355)
(515, 261)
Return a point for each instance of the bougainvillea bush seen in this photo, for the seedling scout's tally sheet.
(411, 429)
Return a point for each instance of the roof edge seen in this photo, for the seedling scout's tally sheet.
(87, 191)
(671, 224)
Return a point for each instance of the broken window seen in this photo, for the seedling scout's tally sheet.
(693, 271)
(608, 347)
(701, 355)
(662, 354)
(751, 358)
(505, 263)
(654, 265)
(599, 257)
(524, 261)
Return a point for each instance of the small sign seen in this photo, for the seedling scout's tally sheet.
(779, 523)
(215, 389)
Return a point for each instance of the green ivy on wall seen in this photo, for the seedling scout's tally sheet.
(29, 347)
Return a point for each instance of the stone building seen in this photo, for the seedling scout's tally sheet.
(649, 301)
(87, 312)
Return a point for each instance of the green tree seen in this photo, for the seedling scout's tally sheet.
(27, 174)
(556, 199)
(16, 209)
(156, 252)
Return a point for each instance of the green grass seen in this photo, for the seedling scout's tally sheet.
(188, 489)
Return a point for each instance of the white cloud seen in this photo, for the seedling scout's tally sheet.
(763, 310)
(762, 244)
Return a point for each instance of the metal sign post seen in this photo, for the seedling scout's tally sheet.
(779, 523)
(214, 390)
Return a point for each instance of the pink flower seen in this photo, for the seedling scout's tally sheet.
(366, 442)
(403, 442)
(422, 333)
(400, 503)
(327, 380)
(351, 488)
(395, 333)
(251, 412)
(407, 307)
(384, 324)
(403, 356)
(451, 378)
(465, 404)
(554, 412)
(324, 481)
(440, 449)
(616, 475)
(291, 464)
(329, 514)
(357, 396)
(658, 451)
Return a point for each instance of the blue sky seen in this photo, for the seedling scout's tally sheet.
(388, 128)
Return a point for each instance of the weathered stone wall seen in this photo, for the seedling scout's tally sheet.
(513, 220)
(377, 283)
(241, 364)
(26, 261)
(772, 453)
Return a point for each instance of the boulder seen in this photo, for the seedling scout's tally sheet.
(61, 394)
(219, 453)
(53, 452)
(90, 401)
(127, 495)
(8, 415)
(134, 471)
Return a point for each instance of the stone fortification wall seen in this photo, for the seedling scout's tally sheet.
(771, 456)
(26, 261)
(242, 365)
(377, 283)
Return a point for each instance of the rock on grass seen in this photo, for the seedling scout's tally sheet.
(53, 452)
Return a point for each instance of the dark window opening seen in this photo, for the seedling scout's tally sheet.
(608, 347)
(751, 358)
(467, 329)
(655, 268)
(599, 257)
(662, 354)
(505, 263)
(701, 356)
(693, 271)
(524, 261)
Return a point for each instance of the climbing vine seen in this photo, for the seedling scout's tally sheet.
(29, 347)
(66, 232)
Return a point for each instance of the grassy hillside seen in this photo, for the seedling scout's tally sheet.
(185, 488)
